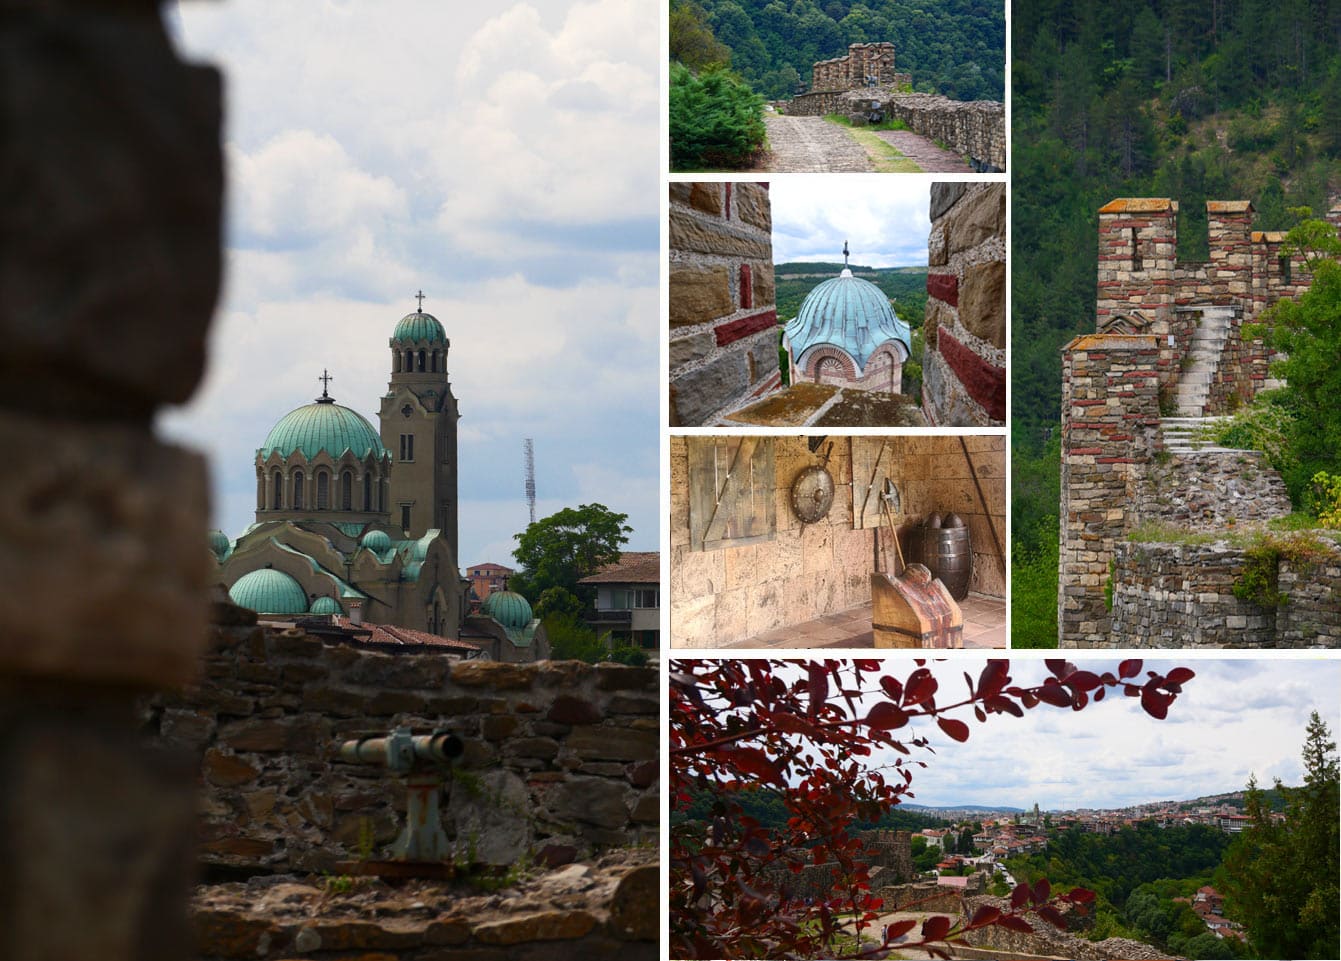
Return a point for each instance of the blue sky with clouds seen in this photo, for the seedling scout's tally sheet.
(503, 158)
(884, 219)
(1237, 717)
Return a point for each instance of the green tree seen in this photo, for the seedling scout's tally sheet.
(715, 120)
(691, 39)
(1280, 878)
(563, 548)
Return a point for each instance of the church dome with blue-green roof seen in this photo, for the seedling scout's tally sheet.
(508, 608)
(322, 426)
(851, 315)
(419, 327)
(268, 591)
(325, 605)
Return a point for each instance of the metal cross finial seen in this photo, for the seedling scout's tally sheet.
(420, 297)
(325, 379)
(845, 253)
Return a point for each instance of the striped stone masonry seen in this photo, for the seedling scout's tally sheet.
(723, 323)
(964, 365)
(1110, 421)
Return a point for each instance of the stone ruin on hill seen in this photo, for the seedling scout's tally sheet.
(1169, 352)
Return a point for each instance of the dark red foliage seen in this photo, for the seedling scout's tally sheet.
(803, 728)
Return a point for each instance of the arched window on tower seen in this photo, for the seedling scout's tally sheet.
(409, 361)
(367, 490)
(347, 490)
(421, 361)
(276, 490)
(395, 362)
(323, 490)
(298, 481)
(433, 361)
(260, 490)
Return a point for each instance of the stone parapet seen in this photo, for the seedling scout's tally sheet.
(723, 322)
(974, 129)
(964, 365)
(559, 755)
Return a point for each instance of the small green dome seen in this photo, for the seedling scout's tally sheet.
(850, 314)
(507, 608)
(268, 591)
(219, 544)
(376, 541)
(420, 326)
(326, 605)
(323, 426)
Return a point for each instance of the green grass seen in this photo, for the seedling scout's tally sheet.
(889, 123)
(884, 158)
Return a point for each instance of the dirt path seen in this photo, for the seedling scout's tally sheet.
(923, 152)
(812, 145)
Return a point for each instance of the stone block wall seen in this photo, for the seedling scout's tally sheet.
(1110, 429)
(723, 322)
(851, 71)
(964, 366)
(808, 570)
(559, 755)
(1181, 595)
(1208, 488)
(974, 129)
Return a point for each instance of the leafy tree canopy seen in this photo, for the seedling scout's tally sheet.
(563, 548)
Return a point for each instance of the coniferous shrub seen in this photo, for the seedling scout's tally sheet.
(716, 121)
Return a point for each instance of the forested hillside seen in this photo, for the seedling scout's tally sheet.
(1191, 99)
(951, 47)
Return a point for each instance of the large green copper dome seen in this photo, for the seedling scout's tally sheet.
(268, 591)
(849, 313)
(326, 426)
(420, 326)
(507, 608)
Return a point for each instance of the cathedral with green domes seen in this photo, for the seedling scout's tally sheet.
(358, 524)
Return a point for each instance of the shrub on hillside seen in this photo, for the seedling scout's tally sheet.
(716, 121)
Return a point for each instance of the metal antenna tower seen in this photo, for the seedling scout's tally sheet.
(529, 449)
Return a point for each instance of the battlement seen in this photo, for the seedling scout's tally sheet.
(864, 63)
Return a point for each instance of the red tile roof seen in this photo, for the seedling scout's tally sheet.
(633, 567)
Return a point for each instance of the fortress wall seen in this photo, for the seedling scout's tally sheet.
(558, 754)
(975, 129)
(1181, 595)
(1207, 489)
(723, 322)
(1110, 417)
(963, 367)
(863, 61)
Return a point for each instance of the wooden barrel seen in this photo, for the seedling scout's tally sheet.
(947, 552)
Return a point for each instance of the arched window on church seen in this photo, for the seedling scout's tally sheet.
(260, 490)
(298, 480)
(367, 490)
(409, 361)
(323, 490)
(828, 367)
(276, 490)
(347, 490)
(395, 362)
(421, 361)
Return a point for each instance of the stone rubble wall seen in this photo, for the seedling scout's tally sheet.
(723, 321)
(928, 895)
(851, 71)
(1047, 941)
(1181, 595)
(1110, 430)
(964, 365)
(888, 855)
(560, 757)
(1209, 489)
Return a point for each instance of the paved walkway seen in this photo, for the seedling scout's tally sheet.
(984, 627)
(923, 152)
(812, 145)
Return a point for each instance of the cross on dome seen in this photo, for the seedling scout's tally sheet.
(325, 379)
(420, 297)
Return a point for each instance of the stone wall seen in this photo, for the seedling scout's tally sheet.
(723, 322)
(888, 855)
(862, 63)
(807, 570)
(1047, 941)
(560, 756)
(929, 895)
(1110, 418)
(974, 129)
(1208, 489)
(964, 366)
(1181, 595)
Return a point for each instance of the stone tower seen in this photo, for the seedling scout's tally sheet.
(418, 420)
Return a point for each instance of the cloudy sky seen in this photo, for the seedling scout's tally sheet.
(503, 158)
(884, 219)
(1235, 718)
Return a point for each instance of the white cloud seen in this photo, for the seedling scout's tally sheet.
(885, 220)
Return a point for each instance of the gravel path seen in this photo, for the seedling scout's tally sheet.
(812, 145)
(923, 152)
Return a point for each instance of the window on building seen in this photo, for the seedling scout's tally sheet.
(1136, 263)
(407, 447)
(621, 600)
(276, 490)
(405, 517)
(323, 490)
(298, 480)
(367, 491)
(347, 491)
(647, 597)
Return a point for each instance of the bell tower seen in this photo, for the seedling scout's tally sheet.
(418, 423)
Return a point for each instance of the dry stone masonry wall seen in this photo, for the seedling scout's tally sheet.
(723, 322)
(560, 757)
(1209, 489)
(1182, 595)
(964, 366)
(863, 63)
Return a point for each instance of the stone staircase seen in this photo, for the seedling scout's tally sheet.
(1203, 355)
(1185, 435)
